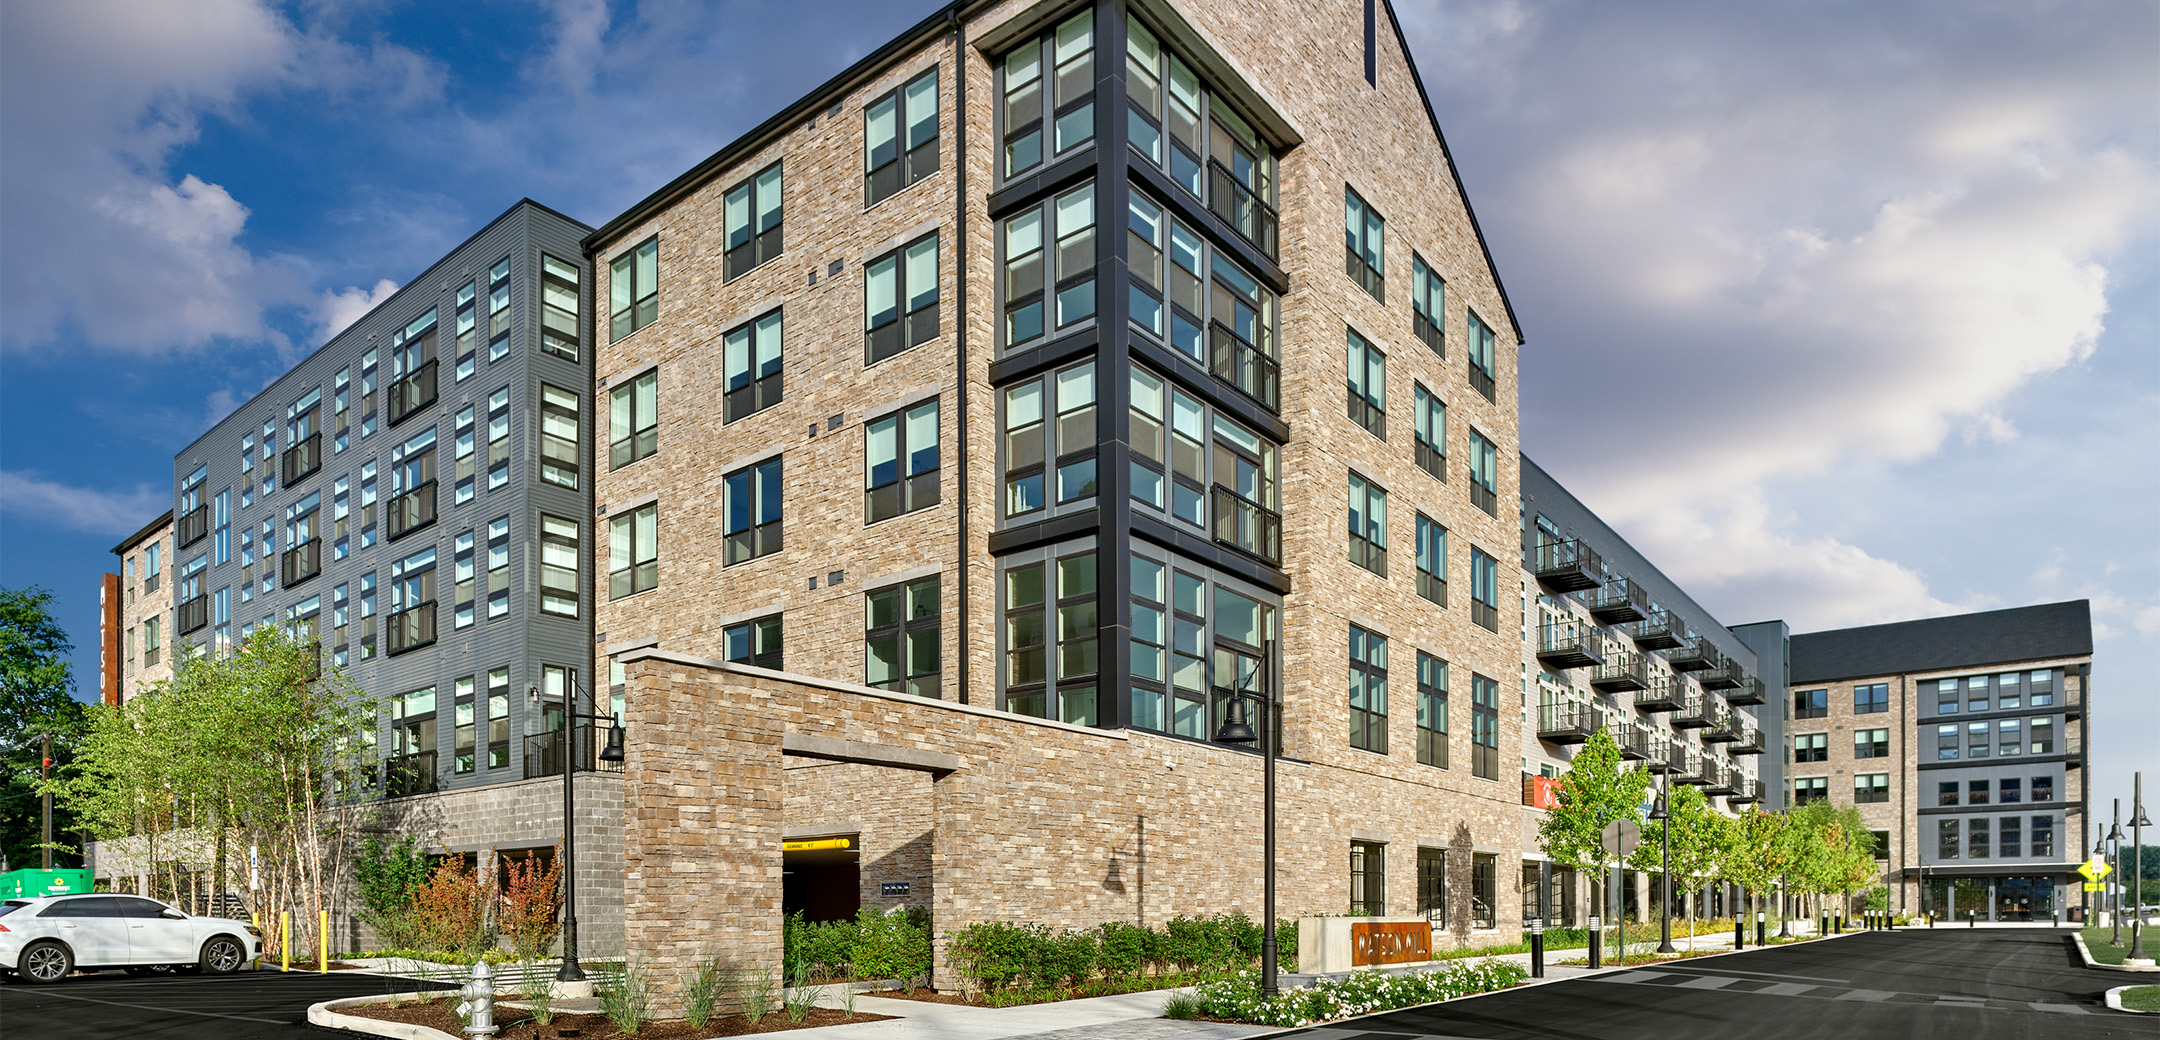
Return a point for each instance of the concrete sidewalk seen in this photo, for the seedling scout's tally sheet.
(1126, 1016)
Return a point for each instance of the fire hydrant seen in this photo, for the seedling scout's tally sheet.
(478, 1007)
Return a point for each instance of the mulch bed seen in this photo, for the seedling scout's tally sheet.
(929, 996)
(517, 1024)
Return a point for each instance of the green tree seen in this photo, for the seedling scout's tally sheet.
(1596, 791)
(1754, 856)
(386, 875)
(36, 700)
(1699, 838)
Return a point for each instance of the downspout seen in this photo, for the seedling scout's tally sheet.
(960, 320)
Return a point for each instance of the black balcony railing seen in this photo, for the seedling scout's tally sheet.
(1747, 741)
(412, 392)
(301, 562)
(1725, 728)
(1697, 710)
(409, 774)
(1566, 565)
(1253, 219)
(1568, 722)
(1750, 691)
(1248, 526)
(1697, 654)
(1662, 694)
(1634, 740)
(1623, 670)
(544, 751)
(1721, 780)
(1726, 677)
(1570, 644)
(412, 510)
(1745, 791)
(1617, 602)
(190, 527)
(1685, 763)
(1245, 366)
(1660, 630)
(192, 614)
(302, 459)
(411, 628)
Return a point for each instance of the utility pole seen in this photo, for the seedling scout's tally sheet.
(45, 778)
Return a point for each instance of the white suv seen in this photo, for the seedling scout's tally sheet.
(45, 938)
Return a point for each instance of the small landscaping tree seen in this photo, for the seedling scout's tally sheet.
(1754, 852)
(531, 894)
(1596, 791)
(1698, 839)
(450, 909)
(387, 875)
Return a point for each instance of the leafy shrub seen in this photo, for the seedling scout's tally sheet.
(999, 955)
(387, 874)
(450, 909)
(530, 898)
(1359, 993)
(1126, 950)
(875, 945)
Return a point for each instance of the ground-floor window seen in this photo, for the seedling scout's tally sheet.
(1484, 890)
(1432, 884)
(1368, 878)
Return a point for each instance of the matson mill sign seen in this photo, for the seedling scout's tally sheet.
(1390, 942)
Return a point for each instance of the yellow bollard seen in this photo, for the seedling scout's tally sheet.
(322, 944)
(285, 941)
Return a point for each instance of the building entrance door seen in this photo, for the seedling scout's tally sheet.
(821, 877)
(2024, 899)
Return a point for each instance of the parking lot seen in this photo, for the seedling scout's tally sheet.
(115, 1006)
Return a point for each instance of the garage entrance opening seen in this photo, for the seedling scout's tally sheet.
(821, 877)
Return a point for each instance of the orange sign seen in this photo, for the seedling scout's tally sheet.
(1544, 792)
(1383, 942)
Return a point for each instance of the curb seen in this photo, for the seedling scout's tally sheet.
(2114, 1000)
(325, 1014)
(2078, 938)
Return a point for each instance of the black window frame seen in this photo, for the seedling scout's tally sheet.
(762, 641)
(911, 487)
(560, 327)
(550, 591)
(1368, 879)
(902, 629)
(637, 306)
(1484, 582)
(1866, 791)
(1365, 383)
(641, 573)
(1431, 559)
(1048, 108)
(915, 319)
(1877, 700)
(1061, 620)
(1480, 356)
(1368, 547)
(1484, 727)
(1484, 472)
(1359, 253)
(1432, 710)
(912, 160)
(761, 244)
(559, 457)
(1428, 305)
(1428, 422)
(1368, 690)
(756, 536)
(1040, 277)
(753, 389)
(643, 437)
(1811, 704)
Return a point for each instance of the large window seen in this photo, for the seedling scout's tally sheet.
(1871, 787)
(1946, 792)
(2010, 837)
(499, 312)
(900, 299)
(1811, 704)
(2007, 734)
(1368, 690)
(2010, 790)
(559, 555)
(1484, 473)
(412, 601)
(1368, 525)
(559, 436)
(1211, 152)
(2043, 736)
(1482, 376)
(753, 511)
(1484, 727)
(901, 637)
(558, 308)
(1367, 372)
(1946, 696)
(750, 358)
(1976, 740)
(753, 222)
(1184, 457)
(1428, 305)
(900, 462)
(1065, 105)
(634, 289)
(634, 420)
(1432, 900)
(2043, 788)
(754, 642)
(1431, 560)
(1430, 416)
(1432, 711)
(498, 562)
(1484, 590)
(1871, 743)
(1811, 747)
(1484, 890)
(1811, 789)
(1217, 315)
(463, 691)
(2043, 836)
(633, 552)
(1049, 440)
(1052, 663)
(1871, 698)
(1368, 879)
(1049, 256)
(412, 485)
(1946, 839)
(900, 138)
(1186, 622)
(1364, 244)
(1976, 838)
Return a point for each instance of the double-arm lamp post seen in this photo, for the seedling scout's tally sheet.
(2138, 823)
(1661, 811)
(613, 752)
(1237, 729)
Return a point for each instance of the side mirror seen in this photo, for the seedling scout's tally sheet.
(171, 914)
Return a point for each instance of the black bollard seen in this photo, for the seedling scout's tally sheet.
(1760, 925)
(1597, 944)
(1537, 948)
(1739, 932)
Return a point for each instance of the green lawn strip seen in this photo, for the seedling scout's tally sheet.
(2103, 950)
(2141, 998)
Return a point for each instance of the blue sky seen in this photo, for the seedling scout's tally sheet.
(1843, 312)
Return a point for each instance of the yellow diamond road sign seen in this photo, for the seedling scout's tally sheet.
(2095, 869)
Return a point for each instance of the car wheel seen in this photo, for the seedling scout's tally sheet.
(46, 962)
(223, 955)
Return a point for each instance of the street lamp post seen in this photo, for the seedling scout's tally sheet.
(613, 752)
(2138, 823)
(1662, 812)
(2113, 893)
(1237, 729)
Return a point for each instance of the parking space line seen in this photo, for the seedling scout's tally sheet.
(169, 1010)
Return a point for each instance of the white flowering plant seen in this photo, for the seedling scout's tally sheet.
(1359, 993)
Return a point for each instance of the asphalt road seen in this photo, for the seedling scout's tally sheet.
(1976, 984)
(111, 1005)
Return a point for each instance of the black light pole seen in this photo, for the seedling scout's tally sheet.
(1662, 812)
(2114, 904)
(570, 971)
(2138, 823)
(1237, 729)
(45, 776)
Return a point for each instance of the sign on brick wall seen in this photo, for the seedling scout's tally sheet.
(1390, 942)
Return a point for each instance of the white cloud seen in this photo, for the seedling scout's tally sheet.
(95, 511)
(334, 310)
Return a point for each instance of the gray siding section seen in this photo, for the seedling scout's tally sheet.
(523, 639)
(1769, 641)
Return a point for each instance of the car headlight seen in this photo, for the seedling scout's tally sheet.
(252, 930)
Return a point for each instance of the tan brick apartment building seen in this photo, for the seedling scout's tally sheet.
(1962, 741)
(135, 614)
(1004, 397)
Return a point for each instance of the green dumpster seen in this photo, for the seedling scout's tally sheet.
(22, 884)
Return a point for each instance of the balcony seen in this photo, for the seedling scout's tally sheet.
(1568, 721)
(1697, 710)
(1721, 779)
(1566, 565)
(412, 510)
(302, 459)
(1747, 739)
(1254, 220)
(192, 614)
(544, 751)
(1696, 654)
(409, 774)
(1745, 791)
(190, 527)
(1245, 366)
(1622, 670)
(1660, 630)
(301, 562)
(1247, 526)
(1750, 691)
(1663, 694)
(1725, 728)
(1570, 644)
(412, 392)
(1685, 763)
(412, 628)
(1728, 677)
(1634, 740)
(1617, 602)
